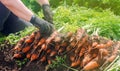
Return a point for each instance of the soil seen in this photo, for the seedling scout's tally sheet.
(7, 64)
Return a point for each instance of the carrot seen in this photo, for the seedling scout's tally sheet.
(61, 50)
(33, 57)
(80, 33)
(103, 52)
(26, 49)
(72, 44)
(53, 53)
(109, 43)
(17, 47)
(28, 55)
(42, 40)
(49, 61)
(100, 46)
(86, 60)
(76, 63)
(80, 44)
(91, 65)
(43, 59)
(48, 51)
(111, 58)
(72, 58)
(43, 47)
(53, 35)
(82, 51)
(69, 34)
(28, 40)
(57, 39)
(94, 44)
(17, 55)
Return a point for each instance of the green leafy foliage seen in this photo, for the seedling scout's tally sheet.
(14, 38)
(21, 63)
(113, 5)
(58, 62)
(33, 5)
(74, 17)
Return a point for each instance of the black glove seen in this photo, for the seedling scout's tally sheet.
(48, 15)
(45, 27)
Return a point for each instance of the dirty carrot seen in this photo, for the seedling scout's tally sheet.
(28, 55)
(91, 65)
(57, 39)
(72, 58)
(26, 49)
(103, 52)
(76, 63)
(100, 46)
(43, 59)
(111, 58)
(94, 44)
(33, 57)
(53, 53)
(17, 55)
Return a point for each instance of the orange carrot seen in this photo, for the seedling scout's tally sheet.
(100, 46)
(43, 47)
(57, 39)
(48, 51)
(43, 59)
(82, 51)
(103, 52)
(72, 44)
(111, 58)
(53, 53)
(49, 61)
(69, 34)
(28, 40)
(17, 55)
(91, 65)
(17, 47)
(94, 44)
(109, 43)
(42, 40)
(28, 55)
(86, 60)
(33, 57)
(61, 50)
(76, 63)
(80, 44)
(53, 35)
(72, 58)
(26, 49)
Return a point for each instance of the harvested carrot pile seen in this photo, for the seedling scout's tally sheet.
(83, 51)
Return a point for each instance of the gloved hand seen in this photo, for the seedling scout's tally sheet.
(45, 27)
(48, 15)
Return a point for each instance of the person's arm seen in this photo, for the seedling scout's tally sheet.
(20, 10)
(48, 15)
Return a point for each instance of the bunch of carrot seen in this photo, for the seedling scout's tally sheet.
(83, 51)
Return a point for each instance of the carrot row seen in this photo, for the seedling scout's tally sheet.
(83, 51)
